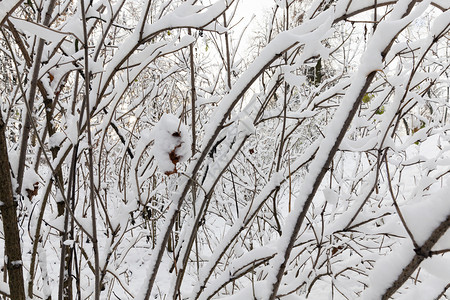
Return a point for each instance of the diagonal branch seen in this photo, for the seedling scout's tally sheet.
(421, 254)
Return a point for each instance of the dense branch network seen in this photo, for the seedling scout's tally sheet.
(150, 141)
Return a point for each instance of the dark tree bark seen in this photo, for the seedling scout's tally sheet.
(10, 228)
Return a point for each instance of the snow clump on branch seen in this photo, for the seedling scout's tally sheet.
(172, 143)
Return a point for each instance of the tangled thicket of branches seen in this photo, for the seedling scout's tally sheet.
(145, 154)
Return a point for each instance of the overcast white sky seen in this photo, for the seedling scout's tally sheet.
(247, 8)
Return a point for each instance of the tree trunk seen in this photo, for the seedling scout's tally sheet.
(10, 227)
